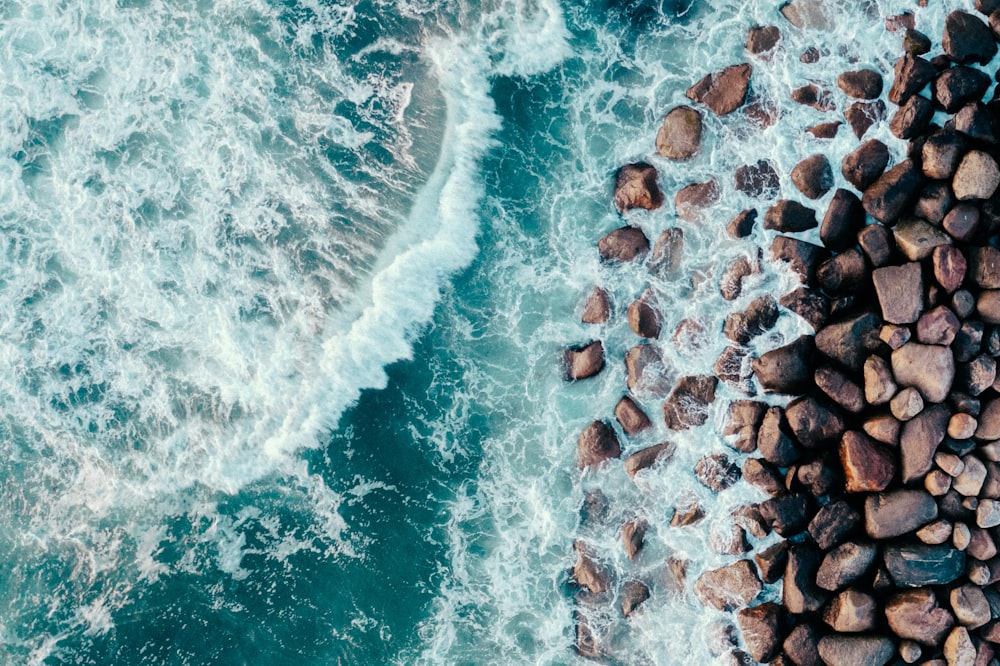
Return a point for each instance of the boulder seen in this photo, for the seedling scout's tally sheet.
(812, 422)
(920, 565)
(977, 176)
(845, 564)
(973, 120)
(787, 369)
(687, 405)
(724, 91)
(877, 242)
(584, 361)
(813, 176)
(935, 201)
(962, 221)
(691, 200)
(928, 368)
(635, 187)
(761, 627)
(733, 368)
(807, 304)
(919, 439)
(956, 87)
(844, 217)
(731, 282)
(825, 130)
(679, 138)
(668, 252)
(789, 216)
(597, 309)
(833, 523)
(634, 593)
(623, 244)
(865, 164)
(633, 535)
(967, 39)
(888, 196)
(813, 96)
(977, 375)
(912, 73)
(716, 472)
(851, 341)
(839, 650)
(596, 444)
(862, 115)
(772, 562)
(984, 266)
(840, 388)
(802, 257)
(764, 476)
(940, 154)
(915, 615)
(912, 118)
(644, 368)
(758, 180)
(728, 587)
(937, 327)
(959, 649)
(988, 306)
(915, 42)
(917, 239)
(802, 645)
(988, 425)
(988, 514)
(760, 316)
(970, 606)
(800, 593)
(868, 466)
(587, 573)
(644, 317)
(851, 611)
(906, 404)
(892, 514)
(773, 440)
(861, 83)
(741, 226)
(648, 457)
(900, 292)
(631, 417)
(761, 40)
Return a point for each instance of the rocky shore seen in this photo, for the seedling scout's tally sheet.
(880, 469)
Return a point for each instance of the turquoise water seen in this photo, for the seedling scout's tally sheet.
(291, 283)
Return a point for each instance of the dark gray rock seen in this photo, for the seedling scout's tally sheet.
(921, 565)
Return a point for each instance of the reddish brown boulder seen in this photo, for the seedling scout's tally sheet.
(851, 341)
(679, 138)
(774, 441)
(790, 216)
(633, 534)
(668, 252)
(763, 476)
(844, 218)
(988, 306)
(757, 180)
(861, 84)
(802, 257)
(916, 615)
(843, 273)
(840, 388)
(977, 176)
(644, 369)
(807, 304)
(934, 202)
(868, 466)
(865, 164)
(851, 611)
(587, 573)
(692, 200)
(761, 40)
(787, 369)
(940, 154)
(937, 327)
(845, 564)
(761, 627)
(967, 39)
(635, 187)
(760, 316)
(812, 95)
(956, 87)
(631, 417)
(634, 593)
(895, 513)
(623, 244)
(802, 645)
(962, 221)
(741, 226)
(833, 523)
(949, 267)
(800, 593)
(862, 115)
(919, 439)
(812, 422)
(716, 472)
(888, 196)
(813, 176)
(596, 444)
(970, 606)
(912, 118)
(912, 73)
(973, 120)
(731, 281)
(928, 368)
(644, 316)
(917, 239)
(915, 42)
(687, 405)
(648, 457)
(584, 361)
(870, 650)
(725, 91)
(597, 308)
(729, 587)
(787, 514)
(825, 130)
(900, 292)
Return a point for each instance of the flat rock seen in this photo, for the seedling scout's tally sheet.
(584, 361)
(968, 39)
(950, 267)
(898, 512)
(761, 627)
(840, 650)
(861, 83)
(758, 180)
(917, 239)
(851, 611)
(845, 216)
(865, 164)
(915, 615)
(787, 369)
(687, 405)
(919, 439)
(728, 587)
(724, 91)
(920, 565)
(631, 417)
(833, 523)
(900, 292)
(845, 564)
(868, 466)
(813, 176)
(679, 138)
(851, 341)
(623, 244)
(596, 444)
(790, 216)
(928, 368)
(647, 457)
(888, 196)
(977, 176)
(635, 187)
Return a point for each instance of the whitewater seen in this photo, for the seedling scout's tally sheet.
(287, 288)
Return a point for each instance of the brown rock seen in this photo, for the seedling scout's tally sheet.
(949, 267)
(686, 515)
(956, 87)
(973, 120)
(970, 606)
(644, 369)
(934, 203)
(634, 593)
(917, 239)
(941, 153)
(679, 138)
(898, 512)
(587, 643)
(844, 218)
(809, 305)
(790, 216)
(915, 42)
(813, 177)
(825, 130)
(912, 73)
(687, 405)
(888, 196)
(906, 404)
(731, 282)
(811, 422)
(916, 615)
(877, 243)
(624, 244)
(587, 573)
(668, 252)
(761, 627)
(811, 95)
(631, 417)
(833, 523)
(851, 341)
(912, 118)
(802, 645)
(644, 316)
(716, 472)
(862, 115)
(851, 611)
(596, 444)
(729, 587)
(900, 291)
(764, 476)
(760, 316)
(584, 361)
(787, 369)
(977, 176)
(758, 180)
(840, 388)
(988, 428)
(919, 439)
(647, 457)
(928, 368)
(772, 561)
(845, 564)
(800, 593)
(871, 650)
(868, 466)
(894, 336)
(968, 39)
(802, 257)
(692, 200)
(861, 84)
(865, 164)
(937, 327)
(958, 648)
(786, 514)
(762, 40)
(879, 384)
(984, 266)
(883, 428)
(741, 226)
(598, 307)
(733, 368)
(635, 187)
(633, 535)
(988, 306)
(725, 91)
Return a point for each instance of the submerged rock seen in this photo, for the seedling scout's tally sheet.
(679, 138)
(596, 444)
(635, 187)
(724, 91)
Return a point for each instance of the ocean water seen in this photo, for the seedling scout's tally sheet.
(287, 286)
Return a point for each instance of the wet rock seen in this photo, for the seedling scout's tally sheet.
(920, 565)
(790, 216)
(888, 196)
(787, 369)
(802, 645)
(840, 388)
(631, 417)
(967, 39)
(912, 118)
(733, 368)
(807, 304)
(928, 368)
(596, 444)
(833, 523)
(868, 466)
(597, 308)
(635, 187)
(644, 317)
(800, 593)
(689, 514)
(760, 316)
(668, 252)
(851, 611)
(844, 218)
(877, 242)
(741, 415)
(644, 368)
(970, 606)
(808, 14)
(773, 440)
(587, 643)
(915, 42)
(802, 257)
(934, 203)
(761, 40)
(633, 536)
(813, 177)
(956, 87)
(917, 239)
(865, 164)
(692, 200)
(758, 180)
(587, 573)
(584, 361)
(731, 283)
(962, 221)
(679, 138)
(772, 562)
(716, 472)
(839, 650)
(724, 91)
(763, 476)
(845, 564)
(647, 457)
(687, 405)
(977, 176)
(729, 587)
(741, 226)
(624, 244)
(919, 439)
(892, 514)
(825, 130)
(900, 292)
(812, 95)
(941, 153)
(916, 615)
(861, 84)
(761, 627)
(787, 515)
(912, 73)
(851, 341)
(843, 274)
(973, 120)
(812, 422)
(634, 593)
(862, 115)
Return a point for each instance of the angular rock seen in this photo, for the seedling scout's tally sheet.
(813, 176)
(741, 226)
(833, 523)
(584, 361)
(888, 196)
(787, 515)
(633, 535)
(917, 239)
(865, 164)
(935, 201)
(844, 273)
(624, 244)
(809, 305)
(761, 627)
(644, 317)
(861, 83)
(692, 200)
(868, 466)
(800, 593)
(845, 564)
(970, 606)
(949, 267)
(733, 368)
(811, 422)
(728, 587)
(687, 405)
(825, 130)
(763, 476)
(851, 341)
(644, 368)
(920, 565)
(840, 388)
(977, 176)
(862, 115)
(596, 444)
(731, 282)
(647, 457)
(844, 218)
(912, 118)
(772, 562)
(879, 384)
(679, 138)
(900, 291)
(635, 187)
(916, 616)
(988, 514)
(962, 221)
(758, 180)
(959, 649)
(973, 120)
(919, 439)
(912, 73)
(597, 308)
(915, 42)
(760, 316)
(631, 417)
(802, 257)
(762, 40)
(941, 153)
(928, 368)
(839, 650)
(984, 266)
(898, 512)
(787, 369)
(937, 327)
(811, 95)
(587, 573)
(877, 243)
(956, 87)
(967, 39)
(802, 645)
(634, 593)
(906, 404)
(789, 216)
(851, 611)
(724, 91)
(668, 252)
(716, 472)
